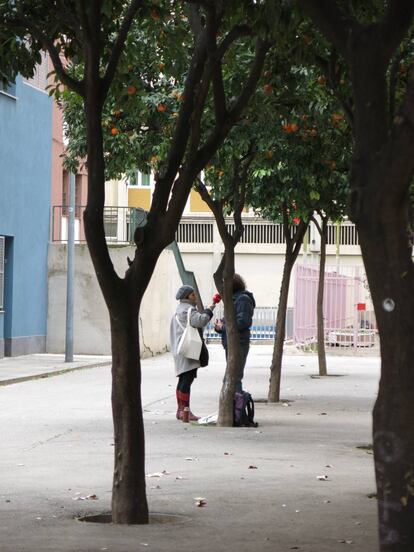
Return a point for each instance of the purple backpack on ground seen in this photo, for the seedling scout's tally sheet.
(243, 410)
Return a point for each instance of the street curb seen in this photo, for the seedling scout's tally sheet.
(4, 383)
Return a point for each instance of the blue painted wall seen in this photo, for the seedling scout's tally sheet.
(25, 180)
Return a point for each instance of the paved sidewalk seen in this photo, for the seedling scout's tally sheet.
(29, 367)
(261, 485)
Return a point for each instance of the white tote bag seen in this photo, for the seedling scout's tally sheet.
(190, 342)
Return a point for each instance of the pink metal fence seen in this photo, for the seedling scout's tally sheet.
(347, 308)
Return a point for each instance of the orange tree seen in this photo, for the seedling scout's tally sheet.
(374, 41)
(288, 158)
(302, 169)
(95, 36)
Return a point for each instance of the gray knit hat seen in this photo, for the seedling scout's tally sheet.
(184, 292)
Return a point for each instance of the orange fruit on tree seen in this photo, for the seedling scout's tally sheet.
(114, 131)
(267, 88)
(161, 108)
(132, 89)
(336, 117)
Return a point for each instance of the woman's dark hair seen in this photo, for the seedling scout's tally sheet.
(238, 283)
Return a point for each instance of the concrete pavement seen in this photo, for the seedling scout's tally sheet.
(261, 485)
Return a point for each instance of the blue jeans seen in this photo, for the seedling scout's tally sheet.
(240, 372)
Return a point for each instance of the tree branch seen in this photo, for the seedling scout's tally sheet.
(298, 238)
(333, 22)
(316, 223)
(220, 132)
(74, 84)
(120, 43)
(286, 226)
(395, 24)
(329, 69)
(219, 96)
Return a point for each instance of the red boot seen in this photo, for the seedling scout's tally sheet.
(185, 397)
(180, 405)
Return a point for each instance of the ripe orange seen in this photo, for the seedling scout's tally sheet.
(267, 88)
(161, 108)
(131, 89)
(336, 117)
(114, 131)
(288, 128)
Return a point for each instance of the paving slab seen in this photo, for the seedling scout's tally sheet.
(260, 485)
(28, 367)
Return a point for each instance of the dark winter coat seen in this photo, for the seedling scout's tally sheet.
(244, 305)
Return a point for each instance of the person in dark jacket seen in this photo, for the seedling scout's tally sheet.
(244, 305)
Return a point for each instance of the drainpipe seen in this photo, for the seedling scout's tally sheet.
(70, 271)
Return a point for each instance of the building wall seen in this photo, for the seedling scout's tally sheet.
(25, 174)
(91, 319)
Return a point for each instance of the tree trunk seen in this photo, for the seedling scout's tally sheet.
(225, 416)
(123, 298)
(319, 304)
(389, 267)
(276, 366)
(129, 502)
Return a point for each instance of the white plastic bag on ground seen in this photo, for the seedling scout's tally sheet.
(211, 419)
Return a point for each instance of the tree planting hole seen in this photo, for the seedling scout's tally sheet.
(317, 376)
(265, 401)
(154, 519)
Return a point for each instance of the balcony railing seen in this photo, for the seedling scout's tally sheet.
(119, 223)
